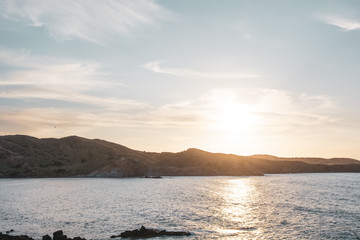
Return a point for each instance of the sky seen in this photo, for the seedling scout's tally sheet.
(233, 76)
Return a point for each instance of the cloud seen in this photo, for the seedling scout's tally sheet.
(85, 19)
(270, 111)
(255, 112)
(25, 59)
(41, 92)
(73, 85)
(187, 73)
(344, 23)
(45, 122)
(43, 72)
(45, 78)
(276, 111)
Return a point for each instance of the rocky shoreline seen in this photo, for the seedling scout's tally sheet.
(142, 232)
(58, 235)
(148, 233)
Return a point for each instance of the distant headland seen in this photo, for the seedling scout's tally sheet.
(26, 156)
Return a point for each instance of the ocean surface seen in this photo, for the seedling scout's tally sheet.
(284, 206)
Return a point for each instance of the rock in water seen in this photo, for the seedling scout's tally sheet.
(8, 237)
(148, 233)
(79, 238)
(59, 235)
(46, 237)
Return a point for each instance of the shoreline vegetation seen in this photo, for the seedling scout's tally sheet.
(29, 157)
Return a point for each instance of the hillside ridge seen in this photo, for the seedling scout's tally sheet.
(74, 156)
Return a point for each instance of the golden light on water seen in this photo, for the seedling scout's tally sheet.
(237, 197)
(239, 194)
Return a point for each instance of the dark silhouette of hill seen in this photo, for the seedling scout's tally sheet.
(326, 161)
(25, 156)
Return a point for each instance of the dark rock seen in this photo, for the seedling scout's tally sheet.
(148, 233)
(78, 238)
(59, 235)
(153, 177)
(8, 237)
(46, 237)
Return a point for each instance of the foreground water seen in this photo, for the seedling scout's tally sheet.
(288, 206)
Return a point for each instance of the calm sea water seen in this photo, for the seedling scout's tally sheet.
(288, 206)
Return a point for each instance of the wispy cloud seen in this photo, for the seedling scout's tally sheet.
(344, 23)
(46, 78)
(39, 81)
(188, 73)
(71, 83)
(87, 20)
(48, 73)
(277, 111)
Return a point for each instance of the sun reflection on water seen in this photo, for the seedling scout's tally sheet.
(238, 209)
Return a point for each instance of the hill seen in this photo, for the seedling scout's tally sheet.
(25, 156)
(326, 161)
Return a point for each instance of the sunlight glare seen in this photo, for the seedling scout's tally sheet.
(231, 115)
(239, 194)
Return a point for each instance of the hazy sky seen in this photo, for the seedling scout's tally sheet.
(233, 76)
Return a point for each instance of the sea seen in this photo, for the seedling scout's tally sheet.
(278, 206)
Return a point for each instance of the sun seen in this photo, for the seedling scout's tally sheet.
(232, 116)
(235, 118)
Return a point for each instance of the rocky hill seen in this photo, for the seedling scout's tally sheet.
(25, 156)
